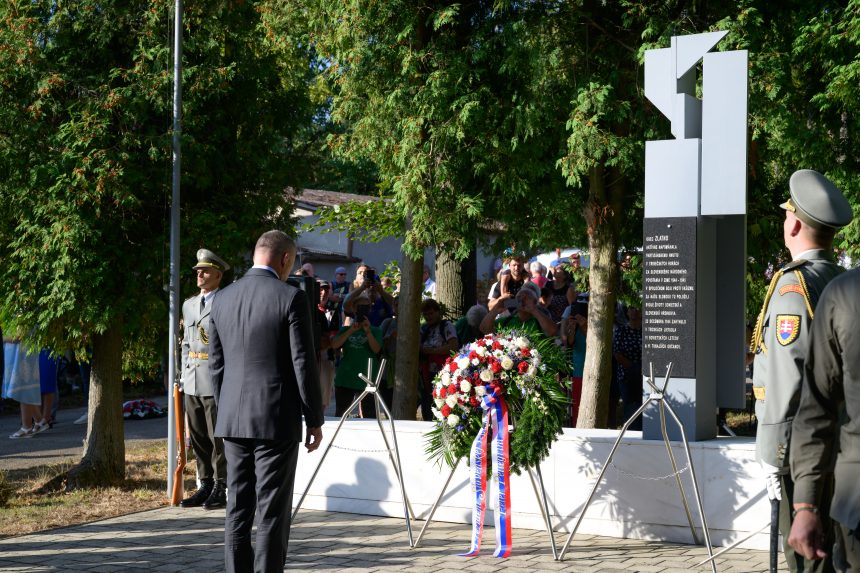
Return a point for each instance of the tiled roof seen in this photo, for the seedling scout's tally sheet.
(321, 198)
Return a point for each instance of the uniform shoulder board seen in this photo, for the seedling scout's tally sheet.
(795, 264)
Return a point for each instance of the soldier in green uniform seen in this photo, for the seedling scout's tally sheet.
(826, 429)
(196, 384)
(813, 214)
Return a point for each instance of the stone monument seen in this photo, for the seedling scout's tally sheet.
(695, 232)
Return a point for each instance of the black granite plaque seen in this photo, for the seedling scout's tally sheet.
(669, 296)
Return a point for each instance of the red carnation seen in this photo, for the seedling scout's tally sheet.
(523, 367)
(452, 389)
(442, 392)
(526, 352)
(497, 345)
(473, 401)
(452, 366)
(473, 355)
(446, 410)
(495, 366)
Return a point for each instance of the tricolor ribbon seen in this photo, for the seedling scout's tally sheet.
(495, 420)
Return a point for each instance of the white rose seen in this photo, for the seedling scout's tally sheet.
(438, 402)
(481, 351)
(446, 378)
(507, 363)
(521, 342)
(451, 400)
(453, 420)
(531, 371)
(487, 375)
(480, 390)
(463, 362)
(465, 386)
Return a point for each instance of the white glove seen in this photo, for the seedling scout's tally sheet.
(771, 479)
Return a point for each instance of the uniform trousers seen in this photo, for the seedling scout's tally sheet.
(796, 563)
(209, 450)
(260, 479)
(846, 552)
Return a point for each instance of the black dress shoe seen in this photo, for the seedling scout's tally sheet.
(218, 498)
(200, 496)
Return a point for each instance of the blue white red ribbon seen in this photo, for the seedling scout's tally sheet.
(495, 420)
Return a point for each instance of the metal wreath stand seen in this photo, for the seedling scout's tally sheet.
(540, 496)
(657, 395)
(393, 452)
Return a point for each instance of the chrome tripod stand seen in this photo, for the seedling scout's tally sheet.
(393, 452)
(657, 395)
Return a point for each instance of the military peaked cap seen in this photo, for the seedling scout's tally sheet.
(816, 201)
(206, 259)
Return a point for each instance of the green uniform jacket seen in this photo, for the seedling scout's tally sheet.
(827, 425)
(195, 379)
(782, 349)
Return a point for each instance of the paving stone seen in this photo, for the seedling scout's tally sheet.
(170, 540)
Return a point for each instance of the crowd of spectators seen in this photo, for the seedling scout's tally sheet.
(358, 321)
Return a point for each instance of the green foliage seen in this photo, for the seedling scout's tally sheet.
(460, 108)
(369, 221)
(85, 150)
(804, 112)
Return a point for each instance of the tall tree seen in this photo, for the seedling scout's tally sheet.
(440, 97)
(85, 169)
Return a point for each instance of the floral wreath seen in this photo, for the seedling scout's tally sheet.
(521, 366)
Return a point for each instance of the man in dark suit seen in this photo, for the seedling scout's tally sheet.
(263, 366)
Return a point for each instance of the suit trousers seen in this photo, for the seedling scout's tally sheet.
(209, 450)
(260, 477)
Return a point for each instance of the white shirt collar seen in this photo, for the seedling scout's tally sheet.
(267, 268)
(208, 296)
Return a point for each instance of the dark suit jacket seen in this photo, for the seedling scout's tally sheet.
(262, 361)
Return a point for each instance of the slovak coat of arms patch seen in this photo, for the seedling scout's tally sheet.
(787, 328)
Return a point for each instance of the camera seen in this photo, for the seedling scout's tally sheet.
(369, 275)
(361, 312)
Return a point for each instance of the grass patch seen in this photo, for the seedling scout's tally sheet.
(26, 511)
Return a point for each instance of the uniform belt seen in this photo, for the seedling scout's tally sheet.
(200, 355)
(758, 392)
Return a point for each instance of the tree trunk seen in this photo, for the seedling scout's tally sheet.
(103, 462)
(469, 273)
(449, 284)
(602, 213)
(406, 362)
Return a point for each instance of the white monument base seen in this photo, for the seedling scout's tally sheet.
(357, 477)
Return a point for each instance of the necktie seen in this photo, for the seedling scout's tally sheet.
(202, 304)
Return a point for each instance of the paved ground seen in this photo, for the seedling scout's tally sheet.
(173, 539)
